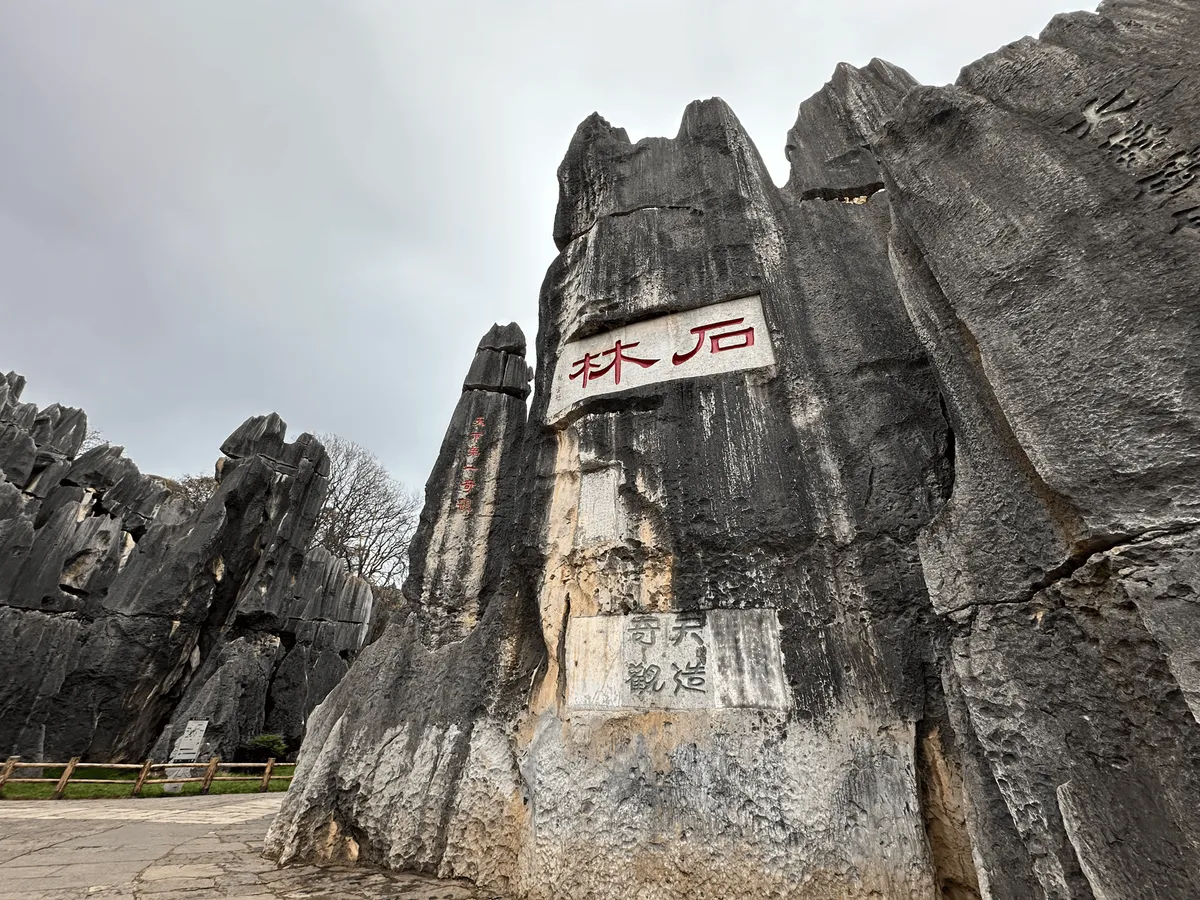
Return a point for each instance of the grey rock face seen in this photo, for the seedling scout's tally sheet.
(828, 148)
(850, 549)
(125, 610)
(1043, 244)
(399, 739)
(775, 510)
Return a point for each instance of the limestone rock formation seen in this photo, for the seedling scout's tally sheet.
(849, 550)
(122, 608)
(395, 781)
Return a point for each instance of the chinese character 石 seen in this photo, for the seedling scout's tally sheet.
(643, 629)
(718, 342)
(691, 677)
(590, 368)
(643, 678)
(686, 625)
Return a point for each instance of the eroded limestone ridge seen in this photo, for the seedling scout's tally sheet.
(124, 611)
(850, 548)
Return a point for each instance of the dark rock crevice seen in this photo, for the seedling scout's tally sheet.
(861, 193)
(944, 802)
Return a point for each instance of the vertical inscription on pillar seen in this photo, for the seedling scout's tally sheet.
(725, 337)
(701, 660)
(470, 469)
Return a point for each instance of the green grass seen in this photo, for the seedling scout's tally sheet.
(74, 791)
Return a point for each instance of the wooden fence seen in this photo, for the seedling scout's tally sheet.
(143, 778)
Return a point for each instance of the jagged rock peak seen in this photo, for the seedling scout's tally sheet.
(595, 178)
(11, 387)
(827, 147)
(266, 436)
(508, 338)
(58, 431)
(258, 434)
(499, 363)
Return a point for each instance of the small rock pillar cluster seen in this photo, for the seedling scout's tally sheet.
(124, 611)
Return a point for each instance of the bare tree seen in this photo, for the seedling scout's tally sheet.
(368, 519)
(94, 437)
(369, 516)
(198, 488)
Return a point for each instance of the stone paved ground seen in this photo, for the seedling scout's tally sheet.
(188, 847)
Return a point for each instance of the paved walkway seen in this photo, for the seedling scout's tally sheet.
(186, 847)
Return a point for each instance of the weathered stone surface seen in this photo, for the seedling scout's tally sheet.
(499, 363)
(791, 492)
(125, 609)
(828, 148)
(402, 743)
(1044, 242)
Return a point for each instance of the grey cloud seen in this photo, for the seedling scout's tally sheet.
(215, 209)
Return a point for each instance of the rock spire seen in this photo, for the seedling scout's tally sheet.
(849, 550)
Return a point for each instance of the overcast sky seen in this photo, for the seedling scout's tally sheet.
(218, 208)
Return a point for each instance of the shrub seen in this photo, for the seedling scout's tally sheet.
(265, 746)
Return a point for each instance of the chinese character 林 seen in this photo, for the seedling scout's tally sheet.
(590, 368)
(718, 342)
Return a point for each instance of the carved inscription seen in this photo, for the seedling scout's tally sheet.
(692, 660)
(687, 663)
(1172, 174)
(725, 337)
(468, 479)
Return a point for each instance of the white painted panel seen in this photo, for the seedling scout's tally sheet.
(595, 671)
(600, 514)
(747, 655)
(724, 337)
(722, 659)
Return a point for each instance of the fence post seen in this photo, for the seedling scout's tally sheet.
(209, 773)
(266, 782)
(66, 776)
(7, 771)
(141, 779)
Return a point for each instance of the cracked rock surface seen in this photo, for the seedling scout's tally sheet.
(124, 611)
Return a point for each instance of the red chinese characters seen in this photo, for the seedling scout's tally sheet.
(467, 482)
(590, 367)
(721, 337)
(718, 343)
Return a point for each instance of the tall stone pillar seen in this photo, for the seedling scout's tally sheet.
(407, 762)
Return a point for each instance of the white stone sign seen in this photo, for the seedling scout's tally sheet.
(186, 749)
(727, 658)
(725, 337)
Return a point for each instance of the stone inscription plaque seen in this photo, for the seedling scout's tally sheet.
(187, 749)
(725, 337)
(715, 660)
